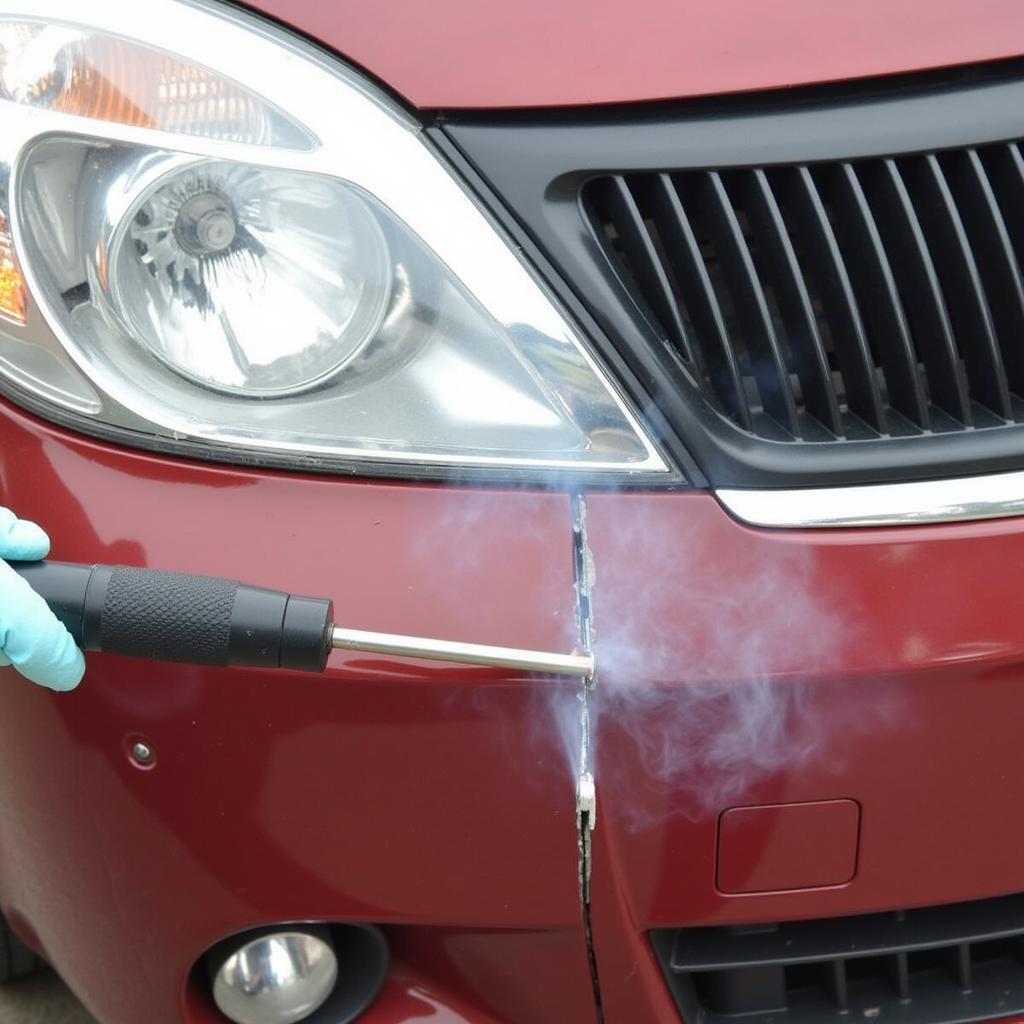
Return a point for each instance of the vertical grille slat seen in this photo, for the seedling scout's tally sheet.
(901, 976)
(715, 355)
(962, 956)
(875, 285)
(995, 258)
(1005, 167)
(953, 964)
(767, 364)
(918, 285)
(823, 264)
(645, 262)
(840, 988)
(959, 276)
(809, 355)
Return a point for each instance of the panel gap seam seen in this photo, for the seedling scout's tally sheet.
(586, 789)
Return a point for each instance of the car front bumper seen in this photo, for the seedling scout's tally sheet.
(437, 801)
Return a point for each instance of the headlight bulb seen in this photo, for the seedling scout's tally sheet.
(206, 224)
(251, 281)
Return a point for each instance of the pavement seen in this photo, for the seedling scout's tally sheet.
(40, 999)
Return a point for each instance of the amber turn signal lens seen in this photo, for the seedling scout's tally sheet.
(12, 285)
(112, 80)
(65, 69)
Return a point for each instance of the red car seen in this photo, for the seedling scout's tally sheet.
(689, 337)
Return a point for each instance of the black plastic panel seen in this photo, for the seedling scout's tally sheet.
(953, 964)
(814, 288)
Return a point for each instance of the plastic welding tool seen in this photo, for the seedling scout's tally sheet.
(204, 620)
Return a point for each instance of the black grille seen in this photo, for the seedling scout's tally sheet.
(853, 300)
(938, 965)
(806, 287)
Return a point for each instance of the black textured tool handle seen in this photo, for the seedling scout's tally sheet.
(173, 616)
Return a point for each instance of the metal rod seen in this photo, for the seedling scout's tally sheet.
(469, 654)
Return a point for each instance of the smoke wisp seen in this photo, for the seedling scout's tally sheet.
(715, 666)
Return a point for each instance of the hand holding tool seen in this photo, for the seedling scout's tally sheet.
(204, 620)
(31, 638)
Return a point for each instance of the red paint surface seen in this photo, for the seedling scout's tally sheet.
(534, 53)
(414, 795)
(895, 662)
(787, 846)
(436, 801)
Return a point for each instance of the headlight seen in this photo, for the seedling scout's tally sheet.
(213, 233)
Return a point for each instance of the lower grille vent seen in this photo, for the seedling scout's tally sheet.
(939, 965)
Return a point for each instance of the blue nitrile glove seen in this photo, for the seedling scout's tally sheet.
(32, 639)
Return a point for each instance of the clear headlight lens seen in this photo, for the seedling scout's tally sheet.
(220, 236)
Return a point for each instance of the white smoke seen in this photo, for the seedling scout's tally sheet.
(716, 668)
(719, 671)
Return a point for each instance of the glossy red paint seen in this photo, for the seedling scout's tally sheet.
(787, 846)
(453, 54)
(437, 801)
(890, 668)
(414, 795)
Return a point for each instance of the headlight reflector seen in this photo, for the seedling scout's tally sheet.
(243, 279)
(275, 263)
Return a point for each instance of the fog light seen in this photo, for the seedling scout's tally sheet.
(278, 978)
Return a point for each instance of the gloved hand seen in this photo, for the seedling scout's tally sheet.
(32, 639)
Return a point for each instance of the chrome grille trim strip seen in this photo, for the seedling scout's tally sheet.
(915, 503)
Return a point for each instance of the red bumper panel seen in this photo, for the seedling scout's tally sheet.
(409, 794)
(743, 668)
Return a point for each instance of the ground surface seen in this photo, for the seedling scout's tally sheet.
(41, 999)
